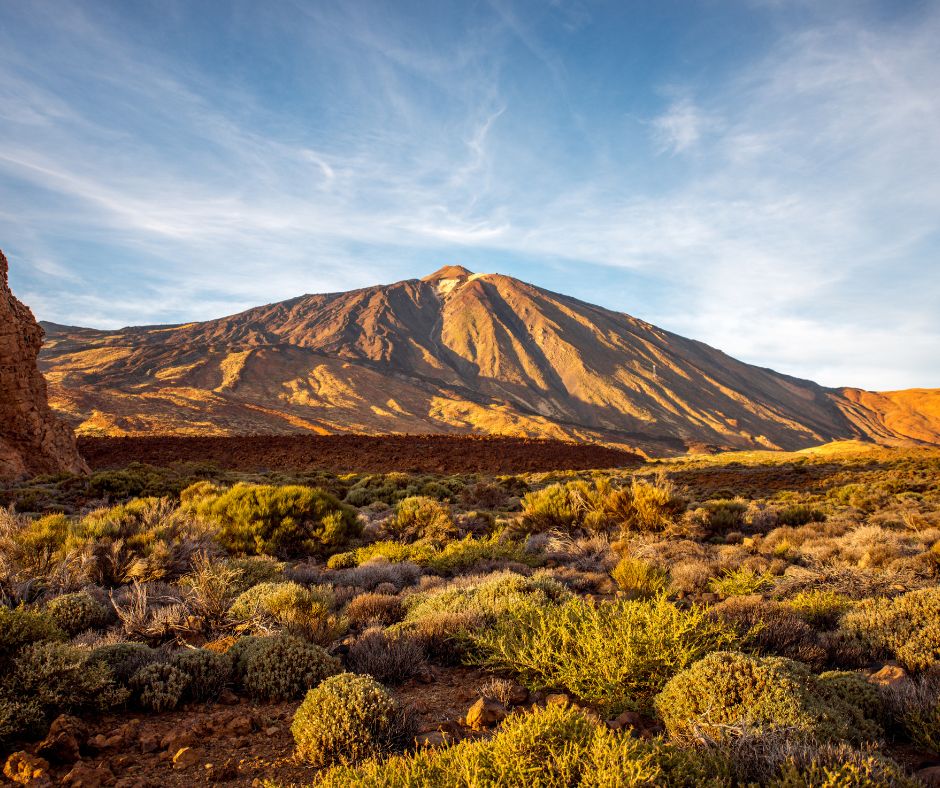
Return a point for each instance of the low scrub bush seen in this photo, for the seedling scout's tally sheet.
(741, 582)
(915, 705)
(78, 612)
(728, 691)
(617, 655)
(639, 578)
(906, 628)
(819, 607)
(208, 672)
(391, 658)
(371, 608)
(20, 719)
(771, 628)
(159, 686)
(299, 610)
(554, 747)
(281, 667)
(601, 506)
(61, 678)
(420, 517)
(124, 659)
(799, 514)
(20, 627)
(287, 520)
(348, 718)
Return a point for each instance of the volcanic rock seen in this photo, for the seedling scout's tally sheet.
(32, 439)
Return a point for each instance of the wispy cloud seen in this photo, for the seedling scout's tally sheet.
(681, 127)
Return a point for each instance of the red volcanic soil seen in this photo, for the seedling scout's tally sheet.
(369, 453)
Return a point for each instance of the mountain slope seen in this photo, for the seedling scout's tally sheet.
(453, 352)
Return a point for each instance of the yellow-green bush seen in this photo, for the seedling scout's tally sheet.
(300, 610)
(819, 607)
(345, 719)
(843, 770)
(727, 691)
(617, 655)
(600, 506)
(639, 578)
(419, 517)
(124, 659)
(74, 613)
(554, 747)
(741, 582)
(281, 667)
(906, 628)
(288, 520)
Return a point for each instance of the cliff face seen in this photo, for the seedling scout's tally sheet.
(32, 439)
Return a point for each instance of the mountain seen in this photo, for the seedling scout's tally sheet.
(454, 352)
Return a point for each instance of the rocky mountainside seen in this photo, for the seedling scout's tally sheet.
(32, 439)
(453, 352)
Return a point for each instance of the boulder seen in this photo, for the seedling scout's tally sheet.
(890, 675)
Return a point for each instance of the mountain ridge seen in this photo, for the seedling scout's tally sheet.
(453, 351)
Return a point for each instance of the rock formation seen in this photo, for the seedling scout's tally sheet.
(32, 439)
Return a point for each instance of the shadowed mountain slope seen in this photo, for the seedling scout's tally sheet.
(453, 352)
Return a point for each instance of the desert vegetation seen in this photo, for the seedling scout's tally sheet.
(745, 619)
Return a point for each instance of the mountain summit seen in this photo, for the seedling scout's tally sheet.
(454, 352)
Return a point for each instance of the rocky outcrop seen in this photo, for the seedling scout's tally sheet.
(32, 439)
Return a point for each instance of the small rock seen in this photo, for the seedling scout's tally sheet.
(890, 675)
(185, 758)
(557, 699)
(485, 714)
(227, 698)
(517, 694)
(27, 769)
(629, 719)
(149, 743)
(176, 740)
(63, 743)
(431, 739)
(240, 725)
(84, 775)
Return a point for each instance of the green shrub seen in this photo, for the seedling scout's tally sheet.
(617, 655)
(289, 520)
(20, 719)
(554, 747)
(724, 515)
(906, 628)
(208, 672)
(345, 719)
(60, 677)
(44, 536)
(550, 508)
(600, 506)
(159, 686)
(454, 557)
(799, 514)
(840, 769)
(20, 627)
(420, 517)
(282, 667)
(741, 582)
(639, 578)
(856, 690)
(302, 611)
(819, 607)
(78, 612)
(124, 659)
(465, 554)
(726, 692)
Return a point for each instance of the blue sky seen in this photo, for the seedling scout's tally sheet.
(763, 176)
